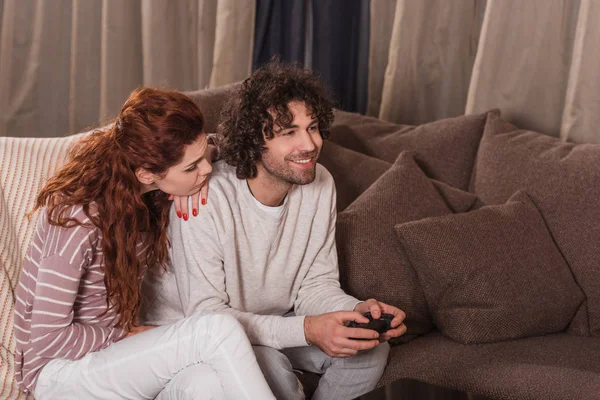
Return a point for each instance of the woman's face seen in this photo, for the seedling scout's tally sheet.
(191, 174)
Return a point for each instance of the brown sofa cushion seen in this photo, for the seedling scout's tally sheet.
(458, 201)
(371, 262)
(352, 172)
(563, 179)
(444, 149)
(552, 367)
(211, 102)
(492, 274)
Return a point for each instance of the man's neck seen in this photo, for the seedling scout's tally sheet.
(267, 189)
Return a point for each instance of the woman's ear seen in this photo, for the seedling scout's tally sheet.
(144, 176)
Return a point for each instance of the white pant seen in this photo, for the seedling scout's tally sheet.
(141, 366)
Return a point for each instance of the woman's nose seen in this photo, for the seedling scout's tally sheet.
(205, 168)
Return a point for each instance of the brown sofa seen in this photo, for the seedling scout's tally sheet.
(483, 233)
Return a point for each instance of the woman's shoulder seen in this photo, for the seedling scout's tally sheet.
(77, 218)
(56, 237)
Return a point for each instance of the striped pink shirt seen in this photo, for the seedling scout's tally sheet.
(61, 298)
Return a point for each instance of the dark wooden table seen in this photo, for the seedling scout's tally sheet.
(409, 389)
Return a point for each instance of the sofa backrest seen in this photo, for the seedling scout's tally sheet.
(210, 102)
(25, 165)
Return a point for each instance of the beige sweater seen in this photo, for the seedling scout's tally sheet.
(235, 257)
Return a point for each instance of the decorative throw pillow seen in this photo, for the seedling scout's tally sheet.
(371, 262)
(458, 201)
(563, 179)
(444, 149)
(492, 274)
(352, 172)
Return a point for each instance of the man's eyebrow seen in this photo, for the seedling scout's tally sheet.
(195, 162)
(282, 128)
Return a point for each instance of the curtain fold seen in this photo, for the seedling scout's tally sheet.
(28, 67)
(430, 59)
(536, 60)
(85, 65)
(581, 116)
(382, 12)
(67, 65)
(234, 39)
(523, 61)
(164, 24)
(121, 52)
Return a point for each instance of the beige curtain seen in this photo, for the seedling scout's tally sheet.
(535, 60)
(66, 65)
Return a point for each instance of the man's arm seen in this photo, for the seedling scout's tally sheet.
(203, 282)
(320, 297)
(198, 258)
(320, 291)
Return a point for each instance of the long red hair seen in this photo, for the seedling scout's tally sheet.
(151, 132)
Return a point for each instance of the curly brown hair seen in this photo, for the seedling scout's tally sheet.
(151, 132)
(247, 119)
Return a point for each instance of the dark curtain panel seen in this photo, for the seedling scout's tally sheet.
(338, 48)
(280, 29)
(341, 49)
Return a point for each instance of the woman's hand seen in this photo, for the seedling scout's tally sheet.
(198, 198)
(181, 202)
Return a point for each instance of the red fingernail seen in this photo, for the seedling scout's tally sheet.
(185, 217)
(179, 214)
(194, 212)
(203, 202)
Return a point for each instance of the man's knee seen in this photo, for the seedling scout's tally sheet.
(278, 372)
(379, 358)
(374, 361)
(341, 380)
(271, 359)
(374, 358)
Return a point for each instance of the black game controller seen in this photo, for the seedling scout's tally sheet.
(381, 325)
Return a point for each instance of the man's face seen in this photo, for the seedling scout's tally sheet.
(291, 155)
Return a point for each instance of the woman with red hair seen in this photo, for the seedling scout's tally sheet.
(103, 226)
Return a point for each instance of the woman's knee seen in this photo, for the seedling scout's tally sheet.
(217, 324)
(198, 381)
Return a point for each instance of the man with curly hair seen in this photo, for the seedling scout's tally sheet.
(263, 248)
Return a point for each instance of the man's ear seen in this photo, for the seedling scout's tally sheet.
(144, 176)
